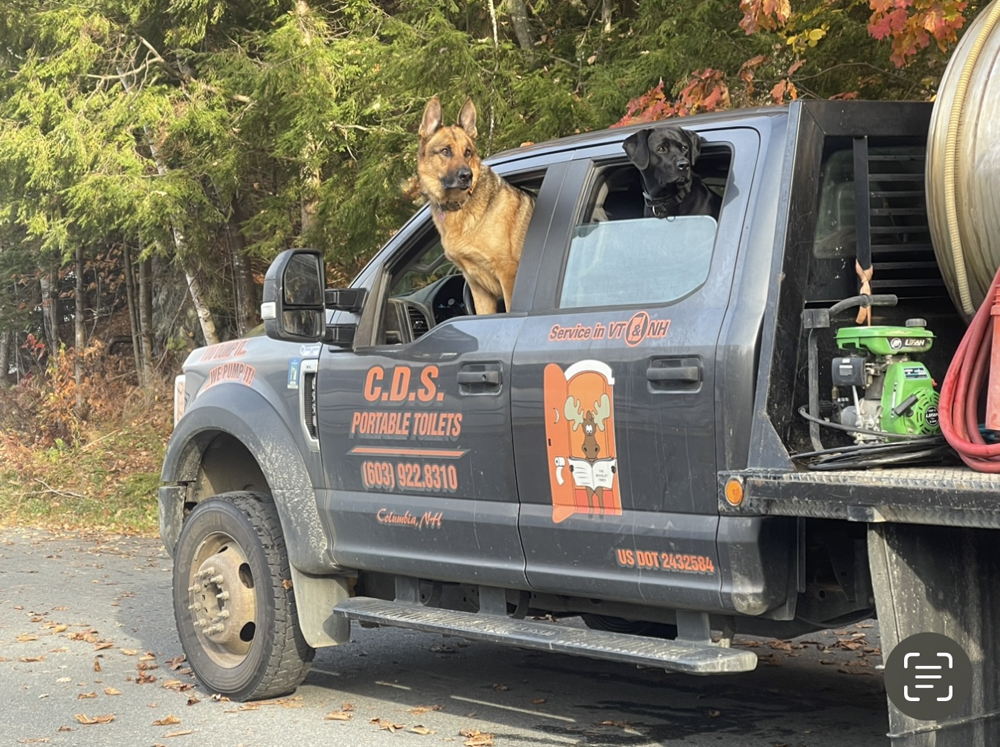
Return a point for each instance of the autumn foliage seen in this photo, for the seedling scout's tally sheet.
(797, 31)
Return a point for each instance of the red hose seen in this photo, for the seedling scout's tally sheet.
(959, 405)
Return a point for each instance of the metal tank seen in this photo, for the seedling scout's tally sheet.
(963, 165)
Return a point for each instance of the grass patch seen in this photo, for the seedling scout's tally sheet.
(103, 477)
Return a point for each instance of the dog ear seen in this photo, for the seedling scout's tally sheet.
(636, 148)
(694, 144)
(467, 119)
(431, 122)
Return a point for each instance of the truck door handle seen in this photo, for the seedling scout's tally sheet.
(480, 378)
(679, 374)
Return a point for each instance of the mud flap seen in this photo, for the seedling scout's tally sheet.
(942, 580)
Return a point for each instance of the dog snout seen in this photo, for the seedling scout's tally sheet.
(683, 164)
(464, 176)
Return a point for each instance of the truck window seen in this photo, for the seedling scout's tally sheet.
(619, 257)
(425, 288)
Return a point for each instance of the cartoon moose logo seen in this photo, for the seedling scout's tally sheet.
(591, 421)
(580, 436)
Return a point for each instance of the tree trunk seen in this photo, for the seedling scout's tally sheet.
(5, 345)
(246, 292)
(205, 317)
(49, 285)
(133, 313)
(146, 315)
(80, 333)
(606, 9)
(522, 30)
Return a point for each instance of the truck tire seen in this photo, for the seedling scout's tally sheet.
(233, 600)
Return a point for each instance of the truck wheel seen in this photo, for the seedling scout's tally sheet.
(233, 600)
(632, 627)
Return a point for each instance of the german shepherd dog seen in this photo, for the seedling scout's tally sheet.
(481, 218)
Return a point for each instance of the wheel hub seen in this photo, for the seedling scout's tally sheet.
(222, 603)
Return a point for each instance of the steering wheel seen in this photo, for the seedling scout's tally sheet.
(470, 305)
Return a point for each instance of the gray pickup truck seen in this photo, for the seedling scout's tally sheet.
(676, 432)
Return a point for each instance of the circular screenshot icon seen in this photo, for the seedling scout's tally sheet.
(928, 676)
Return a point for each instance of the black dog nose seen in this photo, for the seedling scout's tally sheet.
(683, 164)
(464, 175)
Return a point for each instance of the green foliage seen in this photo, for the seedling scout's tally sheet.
(288, 122)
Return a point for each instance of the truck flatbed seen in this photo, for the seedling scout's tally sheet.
(948, 496)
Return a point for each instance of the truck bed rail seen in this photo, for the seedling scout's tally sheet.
(947, 496)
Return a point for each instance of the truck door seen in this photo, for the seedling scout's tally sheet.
(414, 422)
(614, 384)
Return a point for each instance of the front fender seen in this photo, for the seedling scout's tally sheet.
(247, 416)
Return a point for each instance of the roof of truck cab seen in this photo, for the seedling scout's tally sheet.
(751, 117)
(613, 134)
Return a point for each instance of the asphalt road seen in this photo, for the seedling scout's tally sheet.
(87, 633)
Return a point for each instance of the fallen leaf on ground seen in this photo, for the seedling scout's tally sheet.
(148, 656)
(36, 740)
(619, 724)
(144, 666)
(65, 728)
(501, 688)
(101, 645)
(476, 738)
(84, 696)
(59, 628)
(387, 725)
(97, 665)
(112, 691)
(26, 637)
(179, 733)
(347, 707)
(338, 716)
(712, 713)
(442, 648)
(192, 700)
(538, 701)
(169, 720)
(424, 709)
(128, 651)
(29, 659)
(144, 678)
(87, 720)
(423, 730)
(176, 662)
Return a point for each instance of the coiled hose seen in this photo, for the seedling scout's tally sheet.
(951, 156)
(959, 405)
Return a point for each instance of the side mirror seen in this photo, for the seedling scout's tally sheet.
(294, 306)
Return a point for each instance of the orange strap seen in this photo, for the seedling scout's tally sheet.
(865, 313)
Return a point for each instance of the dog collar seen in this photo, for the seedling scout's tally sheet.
(440, 208)
(660, 205)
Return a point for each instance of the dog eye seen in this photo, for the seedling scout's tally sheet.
(468, 152)
(660, 149)
(446, 151)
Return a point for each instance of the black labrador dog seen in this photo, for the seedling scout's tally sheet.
(665, 157)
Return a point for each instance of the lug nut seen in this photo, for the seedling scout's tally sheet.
(223, 596)
(193, 607)
(214, 629)
(200, 623)
(206, 572)
(224, 614)
(195, 589)
(217, 580)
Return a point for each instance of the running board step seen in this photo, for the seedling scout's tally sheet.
(678, 656)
